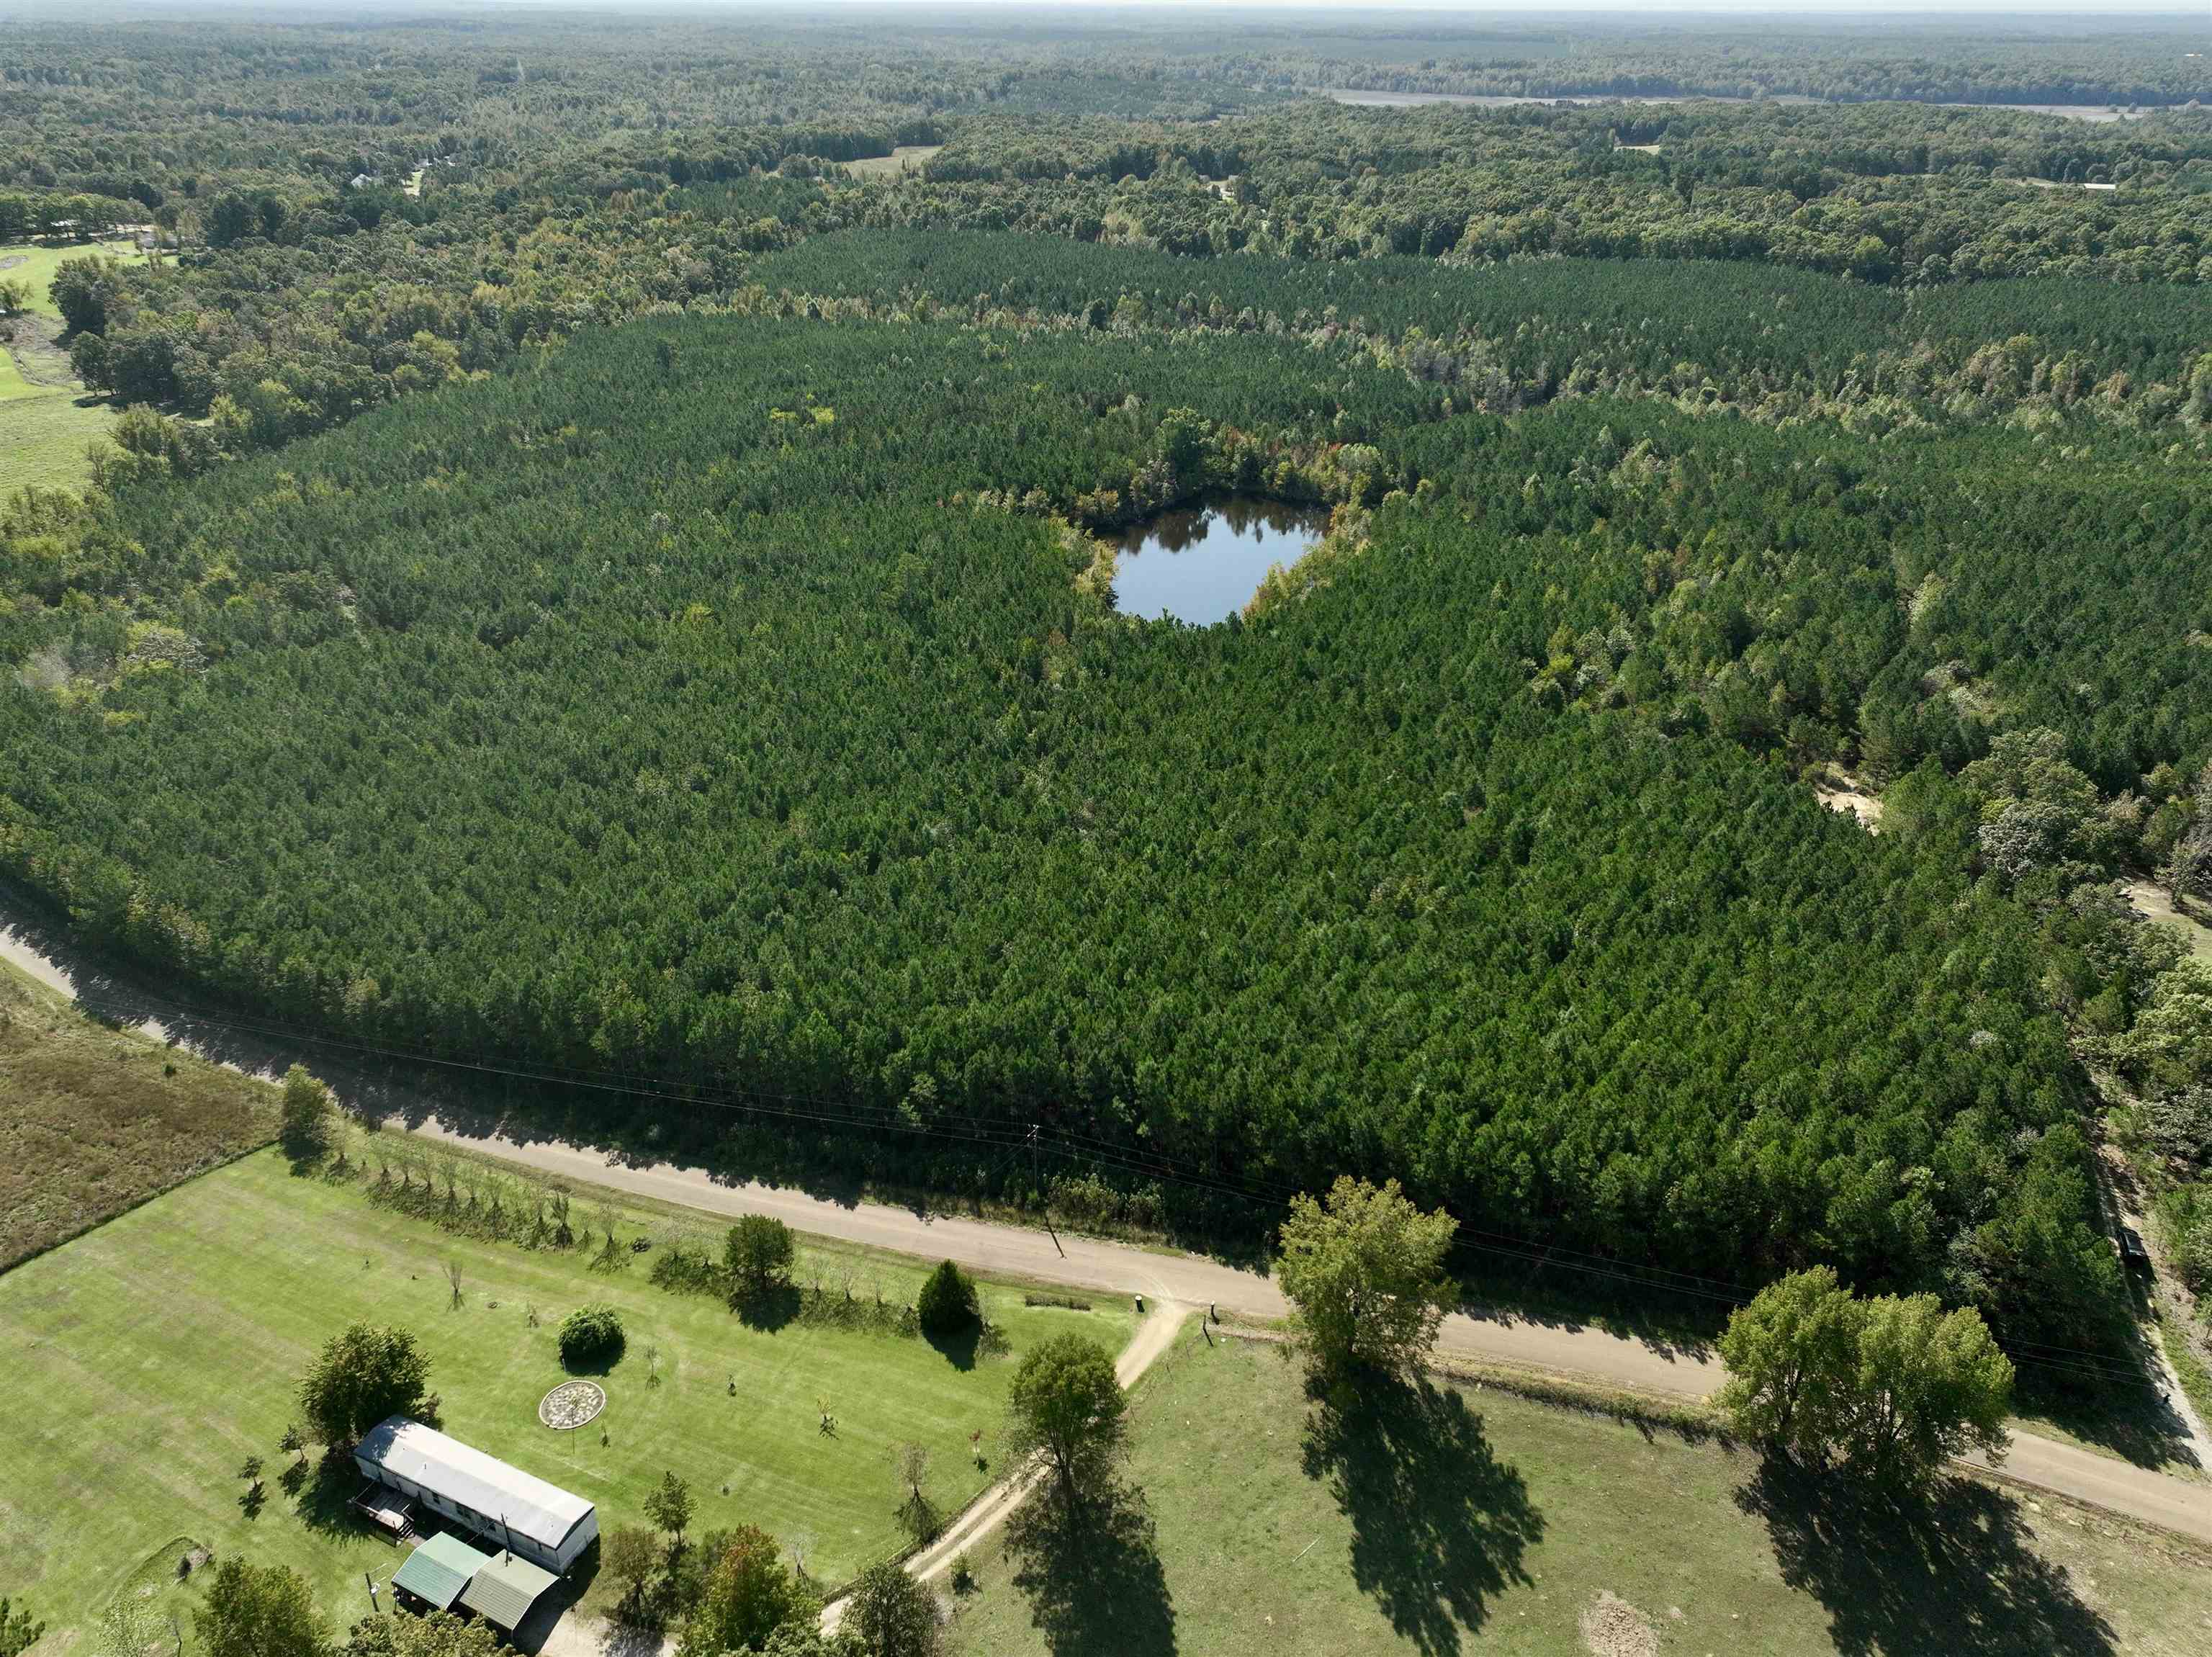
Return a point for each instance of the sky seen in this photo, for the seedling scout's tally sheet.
(1841, 10)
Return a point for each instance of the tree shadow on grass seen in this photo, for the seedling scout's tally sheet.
(1951, 1574)
(1092, 1575)
(324, 1502)
(768, 1309)
(1439, 1525)
(957, 1346)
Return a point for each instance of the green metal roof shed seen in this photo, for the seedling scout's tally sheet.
(503, 1591)
(438, 1571)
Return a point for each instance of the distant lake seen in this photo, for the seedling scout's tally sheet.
(1200, 563)
(1418, 99)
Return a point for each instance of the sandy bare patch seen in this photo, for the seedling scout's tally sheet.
(2156, 903)
(1849, 796)
(1612, 1627)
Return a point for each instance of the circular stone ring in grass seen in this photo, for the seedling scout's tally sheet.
(570, 1405)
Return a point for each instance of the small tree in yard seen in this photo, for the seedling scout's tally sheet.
(947, 1302)
(260, 1611)
(1893, 1387)
(1365, 1275)
(629, 1553)
(306, 1123)
(669, 1506)
(891, 1615)
(1066, 1407)
(361, 1376)
(916, 1510)
(759, 1253)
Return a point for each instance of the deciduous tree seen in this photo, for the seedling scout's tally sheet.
(669, 1506)
(361, 1376)
(308, 1119)
(1791, 1357)
(1066, 1407)
(1365, 1275)
(748, 1595)
(260, 1611)
(892, 1615)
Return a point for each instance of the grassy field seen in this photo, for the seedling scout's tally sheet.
(95, 1121)
(2155, 902)
(159, 1351)
(1441, 1522)
(906, 158)
(45, 430)
(34, 265)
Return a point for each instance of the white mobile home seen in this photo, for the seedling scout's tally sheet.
(508, 1508)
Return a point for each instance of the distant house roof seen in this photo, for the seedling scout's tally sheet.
(440, 1569)
(495, 1493)
(505, 1588)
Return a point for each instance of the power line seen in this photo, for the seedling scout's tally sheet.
(1081, 1148)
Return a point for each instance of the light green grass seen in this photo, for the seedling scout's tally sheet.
(35, 263)
(2157, 903)
(906, 158)
(1479, 1522)
(12, 383)
(45, 433)
(151, 1356)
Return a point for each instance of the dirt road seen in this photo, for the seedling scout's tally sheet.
(996, 1506)
(1111, 1268)
(1197, 1283)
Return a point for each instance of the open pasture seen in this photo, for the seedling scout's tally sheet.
(164, 1349)
(1457, 1519)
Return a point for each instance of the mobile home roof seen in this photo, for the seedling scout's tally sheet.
(525, 1503)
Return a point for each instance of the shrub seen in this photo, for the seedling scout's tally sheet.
(590, 1334)
(947, 1302)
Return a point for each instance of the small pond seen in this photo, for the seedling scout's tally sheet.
(1201, 563)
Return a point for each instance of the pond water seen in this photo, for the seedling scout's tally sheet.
(1200, 563)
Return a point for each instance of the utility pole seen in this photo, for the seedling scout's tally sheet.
(1044, 1196)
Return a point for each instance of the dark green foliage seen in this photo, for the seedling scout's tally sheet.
(359, 1377)
(437, 1634)
(946, 1303)
(18, 1633)
(1389, 875)
(1066, 1408)
(758, 1253)
(892, 1615)
(307, 1126)
(591, 1338)
(258, 1611)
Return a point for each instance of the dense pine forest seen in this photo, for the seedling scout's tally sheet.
(596, 574)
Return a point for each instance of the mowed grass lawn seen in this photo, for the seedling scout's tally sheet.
(45, 431)
(1473, 1521)
(149, 1358)
(34, 264)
